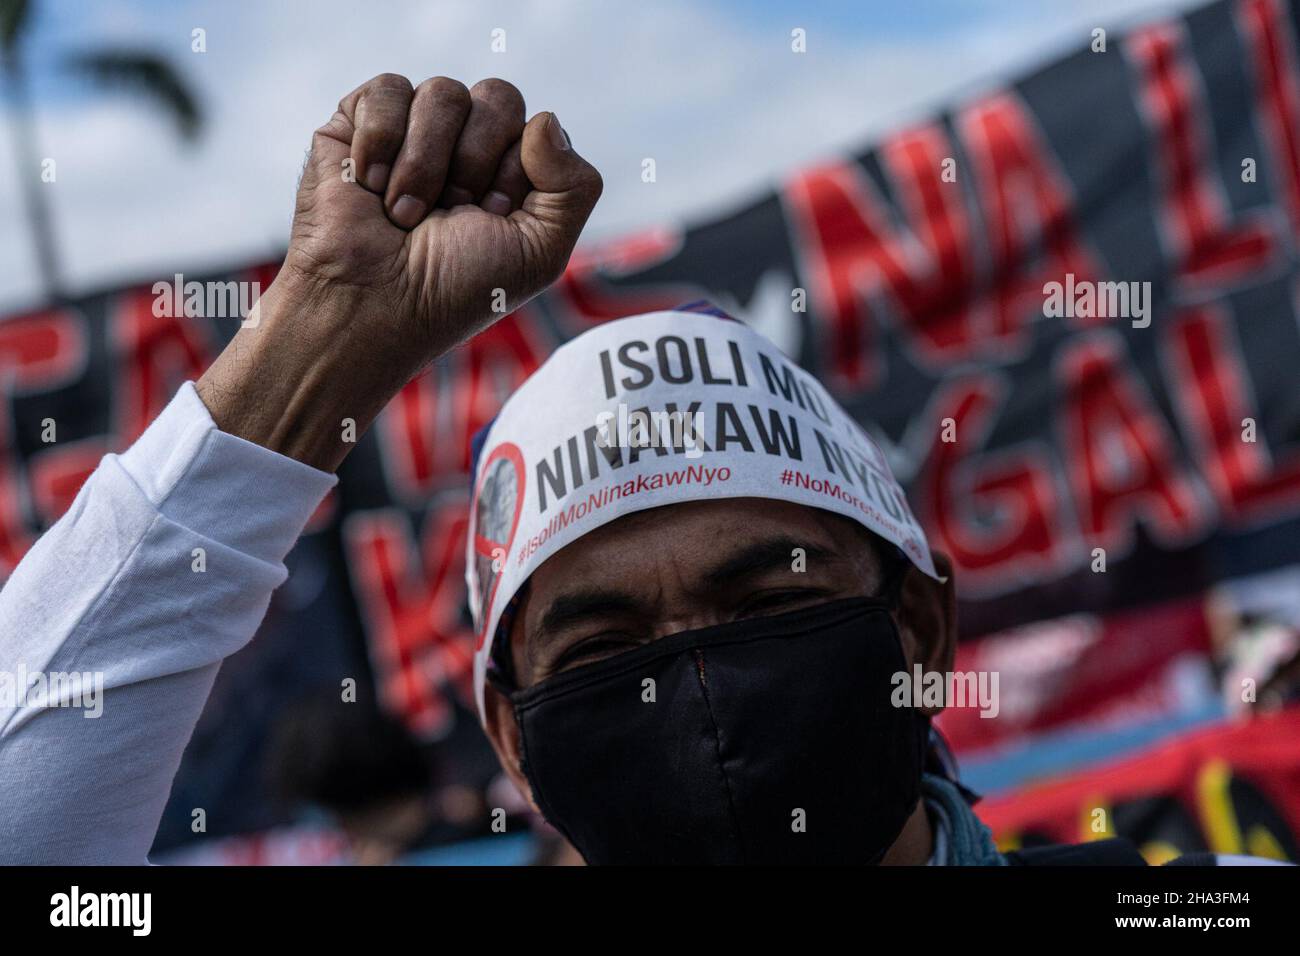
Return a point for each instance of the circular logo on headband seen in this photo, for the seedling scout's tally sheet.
(497, 505)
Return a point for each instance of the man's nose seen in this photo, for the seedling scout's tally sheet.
(683, 604)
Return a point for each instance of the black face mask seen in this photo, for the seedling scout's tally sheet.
(769, 741)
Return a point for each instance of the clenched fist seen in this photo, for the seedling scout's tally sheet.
(423, 215)
(436, 196)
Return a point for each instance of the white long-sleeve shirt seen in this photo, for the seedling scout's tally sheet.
(118, 590)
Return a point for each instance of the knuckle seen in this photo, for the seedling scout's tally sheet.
(334, 127)
(385, 103)
(445, 88)
(389, 83)
(500, 94)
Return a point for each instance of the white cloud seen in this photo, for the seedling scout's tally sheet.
(714, 96)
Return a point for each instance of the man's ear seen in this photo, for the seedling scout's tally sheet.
(503, 733)
(927, 619)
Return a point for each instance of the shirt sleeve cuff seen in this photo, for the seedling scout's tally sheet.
(230, 490)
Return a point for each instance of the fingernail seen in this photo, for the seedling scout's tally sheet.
(497, 203)
(377, 177)
(408, 211)
(559, 138)
(457, 196)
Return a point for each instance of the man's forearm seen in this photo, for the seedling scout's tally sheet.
(301, 379)
(163, 566)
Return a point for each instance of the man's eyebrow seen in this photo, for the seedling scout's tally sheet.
(578, 606)
(762, 556)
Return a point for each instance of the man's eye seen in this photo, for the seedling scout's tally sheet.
(594, 649)
(776, 600)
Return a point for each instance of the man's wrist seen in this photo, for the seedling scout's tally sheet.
(304, 378)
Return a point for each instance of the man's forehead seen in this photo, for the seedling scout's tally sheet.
(716, 543)
(698, 535)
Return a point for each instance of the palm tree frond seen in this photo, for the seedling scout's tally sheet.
(13, 18)
(145, 74)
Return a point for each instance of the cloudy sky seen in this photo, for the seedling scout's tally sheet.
(709, 88)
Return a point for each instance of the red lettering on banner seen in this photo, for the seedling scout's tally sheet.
(1193, 218)
(56, 475)
(1121, 452)
(410, 600)
(1272, 48)
(960, 482)
(851, 250)
(584, 289)
(938, 314)
(41, 350)
(37, 352)
(425, 432)
(1213, 386)
(408, 432)
(1028, 205)
(262, 275)
(155, 356)
(324, 514)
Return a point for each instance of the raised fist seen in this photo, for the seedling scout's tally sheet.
(441, 204)
(423, 215)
